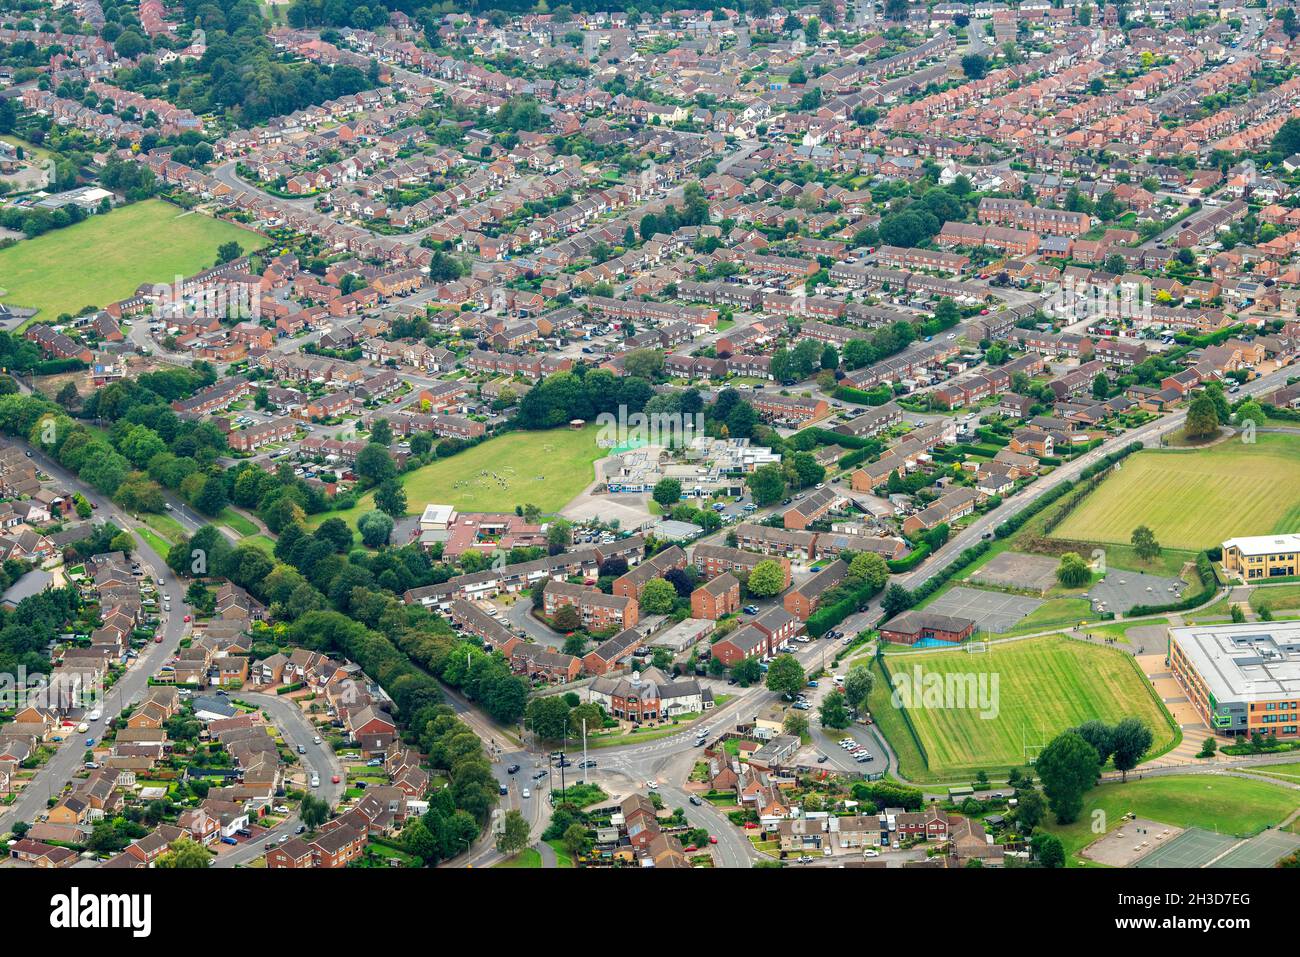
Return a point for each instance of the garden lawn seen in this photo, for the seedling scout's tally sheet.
(546, 469)
(1195, 499)
(1043, 686)
(1229, 805)
(106, 257)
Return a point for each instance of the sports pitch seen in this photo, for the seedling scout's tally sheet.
(106, 257)
(546, 469)
(1040, 687)
(1195, 499)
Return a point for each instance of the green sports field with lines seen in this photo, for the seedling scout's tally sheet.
(546, 469)
(1195, 499)
(106, 257)
(1038, 687)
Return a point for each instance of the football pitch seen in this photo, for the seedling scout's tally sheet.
(546, 469)
(1195, 499)
(106, 257)
(999, 707)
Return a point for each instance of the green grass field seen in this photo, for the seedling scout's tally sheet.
(237, 522)
(545, 469)
(106, 257)
(1043, 686)
(1196, 499)
(527, 858)
(1229, 805)
(1289, 772)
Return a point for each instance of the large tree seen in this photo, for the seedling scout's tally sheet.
(785, 676)
(766, 579)
(515, 834)
(1131, 739)
(1144, 543)
(766, 485)
(1202, 418)
(658, 596)
(858, 685)
(1068, 767)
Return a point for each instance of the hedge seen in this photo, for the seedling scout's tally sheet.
(877, 396)
(828, 437)
(1017, 521)
(828, 616)
(899, 565)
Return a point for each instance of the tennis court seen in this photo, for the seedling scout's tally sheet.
(1193, 848)
(990, 610)
(1262, 850)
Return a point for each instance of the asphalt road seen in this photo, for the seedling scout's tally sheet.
(68, 759)
(50, 779)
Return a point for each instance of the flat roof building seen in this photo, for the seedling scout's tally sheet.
(1243, 679)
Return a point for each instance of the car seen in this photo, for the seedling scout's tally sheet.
(187, 617)
(162, 581)
(302, 749)
(589, 763)
(513, 769)
(821, 759)
(167, 606)
(713, 839)
(300, 829)
(315, 780)
(229, 840)
(805, 859)
(871, 852)
(269, 845)
(281, 809)
(334, 779)
(651, 786)
(526, 793)
(690, 847)
(316, 739)
(695, 799)
(751, 825)
(749, 507)
(95, 715)
(91, 765)
(283, 838)
(90, 742)
(375, 763)
(541, 774)
(503, 790)
(751, 609)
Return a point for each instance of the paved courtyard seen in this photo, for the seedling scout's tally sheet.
(1120, 590)
(1018, 570)
(990, 610)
